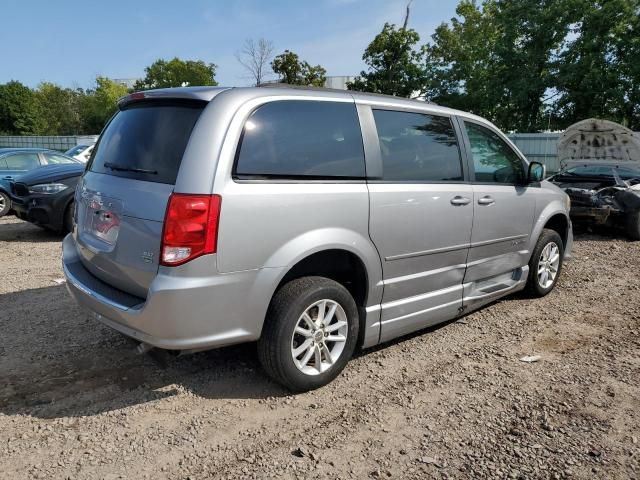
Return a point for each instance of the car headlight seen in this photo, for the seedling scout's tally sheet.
(48, 188)
(567, 202)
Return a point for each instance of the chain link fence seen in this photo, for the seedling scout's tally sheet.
(53, 142)
(541, 147)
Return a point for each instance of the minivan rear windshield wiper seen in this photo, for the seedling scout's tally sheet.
(122, 168)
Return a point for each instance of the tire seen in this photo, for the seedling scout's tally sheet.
(537, 286)
(67, 220)
(5, 204)
(278, 341)
(632, 225)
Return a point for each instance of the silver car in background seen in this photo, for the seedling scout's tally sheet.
(311, 221)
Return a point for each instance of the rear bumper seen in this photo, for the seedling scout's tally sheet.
(180, 312)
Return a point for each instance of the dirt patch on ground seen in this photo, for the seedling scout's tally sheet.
(452, 402)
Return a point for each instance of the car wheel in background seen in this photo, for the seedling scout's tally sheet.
(632, 225)
(5, 204)
(545, 264)
(67, 221)
(310, 333)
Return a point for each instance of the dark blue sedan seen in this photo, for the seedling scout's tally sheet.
(44, 196)
(15, 162)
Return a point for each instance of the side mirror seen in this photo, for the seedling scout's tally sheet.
(537, 172)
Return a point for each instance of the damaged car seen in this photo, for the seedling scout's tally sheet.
(600, 171)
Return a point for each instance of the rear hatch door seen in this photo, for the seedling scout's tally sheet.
(122, 198)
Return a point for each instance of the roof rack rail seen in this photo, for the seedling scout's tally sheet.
(337, 90)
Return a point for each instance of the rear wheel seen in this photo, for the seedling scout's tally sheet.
(545, 264)
(632, 225)
(310, 333)
(5, 204)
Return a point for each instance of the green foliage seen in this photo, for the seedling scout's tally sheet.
(60, 109)
(19, 112)
(459, 59)
(177, 73)
(99, 104)
(395, 65)
(292, 71)
(598, 74)
(533, 65)
(53, 110)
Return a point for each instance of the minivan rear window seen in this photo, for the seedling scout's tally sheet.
(146, 141)
(302, 139)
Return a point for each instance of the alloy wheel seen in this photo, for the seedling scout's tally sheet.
(548, 264)
(319, 337)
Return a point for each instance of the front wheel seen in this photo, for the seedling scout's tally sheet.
(545, 264)
(310, 333)
(5, 204)
(632, 225)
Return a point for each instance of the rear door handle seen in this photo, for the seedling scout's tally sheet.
(8, 177)
(486, 200)
(458, 200)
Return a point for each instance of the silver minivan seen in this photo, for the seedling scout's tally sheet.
(311, 221)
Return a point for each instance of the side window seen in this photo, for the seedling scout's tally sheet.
(298, 138)
(22, 161)
(494, 161)
(3, 164)
(53, 159)
(417, 147)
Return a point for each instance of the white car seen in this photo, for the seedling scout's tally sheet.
(80, 152)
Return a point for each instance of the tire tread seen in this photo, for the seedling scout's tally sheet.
(274, 328)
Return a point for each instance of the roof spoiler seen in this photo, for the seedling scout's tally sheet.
(204, 94)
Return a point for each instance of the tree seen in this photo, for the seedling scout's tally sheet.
(395, 62)
(395, 65)
(255, 57)
(60, 109)
(19, 112)
(597, 71)
(496, 59)
(291, 70)
(459, 59)
(100, 104)
(177, 73)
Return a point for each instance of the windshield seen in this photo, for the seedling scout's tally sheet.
(146, 141)
(76, 150)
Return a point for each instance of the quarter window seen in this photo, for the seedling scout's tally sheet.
(53, 159)
(23, 161)
(494, 161)
(300, 138)
(417, 147)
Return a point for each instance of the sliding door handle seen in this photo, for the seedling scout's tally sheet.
(486, 200)
(458, 200)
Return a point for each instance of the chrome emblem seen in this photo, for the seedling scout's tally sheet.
(147, 257)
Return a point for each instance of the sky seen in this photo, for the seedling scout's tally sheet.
(70, 42)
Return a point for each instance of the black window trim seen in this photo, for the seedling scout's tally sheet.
(156, 102)
(467, 144)
(466, 178)
(294, 179)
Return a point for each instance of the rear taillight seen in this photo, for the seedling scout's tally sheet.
(190, 228)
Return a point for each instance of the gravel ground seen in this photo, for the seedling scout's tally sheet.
(452, 402)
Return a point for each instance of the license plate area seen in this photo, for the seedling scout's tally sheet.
(102, 219)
